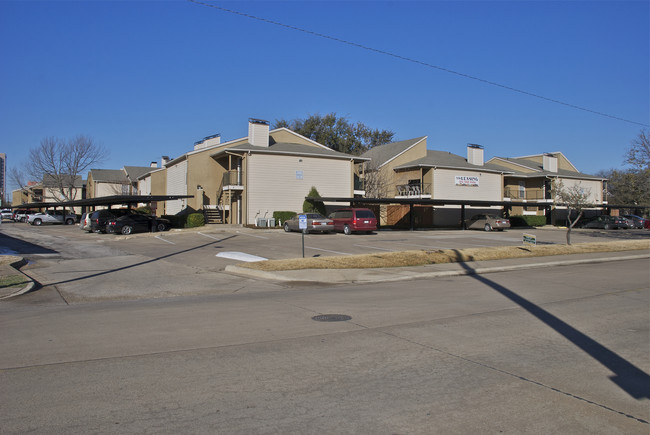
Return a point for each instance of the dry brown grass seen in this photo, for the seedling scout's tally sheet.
(419, 258)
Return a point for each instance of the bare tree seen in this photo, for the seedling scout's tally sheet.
(376, 182)
(576, 199)
(62, 162)
(638, 155)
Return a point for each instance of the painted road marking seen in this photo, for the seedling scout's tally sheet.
(240, 256)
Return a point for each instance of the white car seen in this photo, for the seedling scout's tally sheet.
(7, 213)
(51, 217)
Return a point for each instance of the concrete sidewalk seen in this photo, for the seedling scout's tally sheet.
(343, 276)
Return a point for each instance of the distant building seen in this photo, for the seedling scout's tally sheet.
(3, 177)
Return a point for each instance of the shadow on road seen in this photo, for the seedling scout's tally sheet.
(627, 376)
(11, 246)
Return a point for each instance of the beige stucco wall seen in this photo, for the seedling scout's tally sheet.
(159, 187)
(444, 187)
(206, 172)
(417, 151)
(272, 183)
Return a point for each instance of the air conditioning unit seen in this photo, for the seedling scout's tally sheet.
(261, 222)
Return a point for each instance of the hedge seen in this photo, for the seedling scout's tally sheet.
(283, 216)
(527, 221)
(195, 220)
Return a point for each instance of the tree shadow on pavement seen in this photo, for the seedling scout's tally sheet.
(142, 263)
(627, 376)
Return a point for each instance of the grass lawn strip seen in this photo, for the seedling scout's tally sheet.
(423, 257)
(12, 281)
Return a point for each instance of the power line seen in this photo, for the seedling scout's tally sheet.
(419, 62)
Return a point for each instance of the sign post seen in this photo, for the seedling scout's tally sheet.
(302, 226)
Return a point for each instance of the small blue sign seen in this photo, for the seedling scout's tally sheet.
(302, 222)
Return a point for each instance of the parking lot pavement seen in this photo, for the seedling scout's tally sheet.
(194, 261)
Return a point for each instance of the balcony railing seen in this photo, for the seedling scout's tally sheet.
(415, 190)
(233, 178)
(529, 195)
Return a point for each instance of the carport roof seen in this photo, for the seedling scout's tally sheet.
(105, 200)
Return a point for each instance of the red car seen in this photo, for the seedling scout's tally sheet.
(349, 220)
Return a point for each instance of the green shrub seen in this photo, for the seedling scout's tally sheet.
(315, 206)
(195, 220)
(527, 221)
(283, 216)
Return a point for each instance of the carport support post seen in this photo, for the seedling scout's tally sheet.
(411, 217)
(462, 217)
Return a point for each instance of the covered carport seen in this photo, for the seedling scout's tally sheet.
(412, 202)
(104, 201)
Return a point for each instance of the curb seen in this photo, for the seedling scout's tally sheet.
(337, 273)
(30, 282)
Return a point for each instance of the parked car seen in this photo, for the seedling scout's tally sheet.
(637, 221)
(20, 214)
(51, 217)
(132, 223)
(315, 222)
(99, 218)
(349, 220)
(7, 213)
(84, 222)
(487, 222)
(606, 222)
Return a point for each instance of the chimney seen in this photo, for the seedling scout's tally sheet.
(258, 132)
(165, 160)
(549, 163)
(475, 154)
(153, 165)
(207, 141)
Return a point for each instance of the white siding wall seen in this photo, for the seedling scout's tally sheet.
(144, 186)
(444, 185)
(273, 183)
(595, 188)
(176, 185)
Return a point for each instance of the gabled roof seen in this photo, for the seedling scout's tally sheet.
(135, 172)
(289, 149)
(538, 169)
(50, 181)
(383, 154)
(445, 159)
(109, 175)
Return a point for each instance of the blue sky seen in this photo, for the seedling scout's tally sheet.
(149, 78)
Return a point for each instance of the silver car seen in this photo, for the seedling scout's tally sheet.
(51, 217)
(315, 222)
(487, 222)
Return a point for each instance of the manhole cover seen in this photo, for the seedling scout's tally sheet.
(331, 318)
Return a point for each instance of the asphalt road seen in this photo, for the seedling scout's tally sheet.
(562, 350)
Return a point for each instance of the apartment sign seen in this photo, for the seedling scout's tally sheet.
(462, 180)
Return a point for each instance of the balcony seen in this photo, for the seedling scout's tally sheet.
(413, 190)
(232, 180)
(529, 195)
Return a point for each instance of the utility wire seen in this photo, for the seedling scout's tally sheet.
(419, 62)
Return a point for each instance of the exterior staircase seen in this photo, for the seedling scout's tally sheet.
(213, 215)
